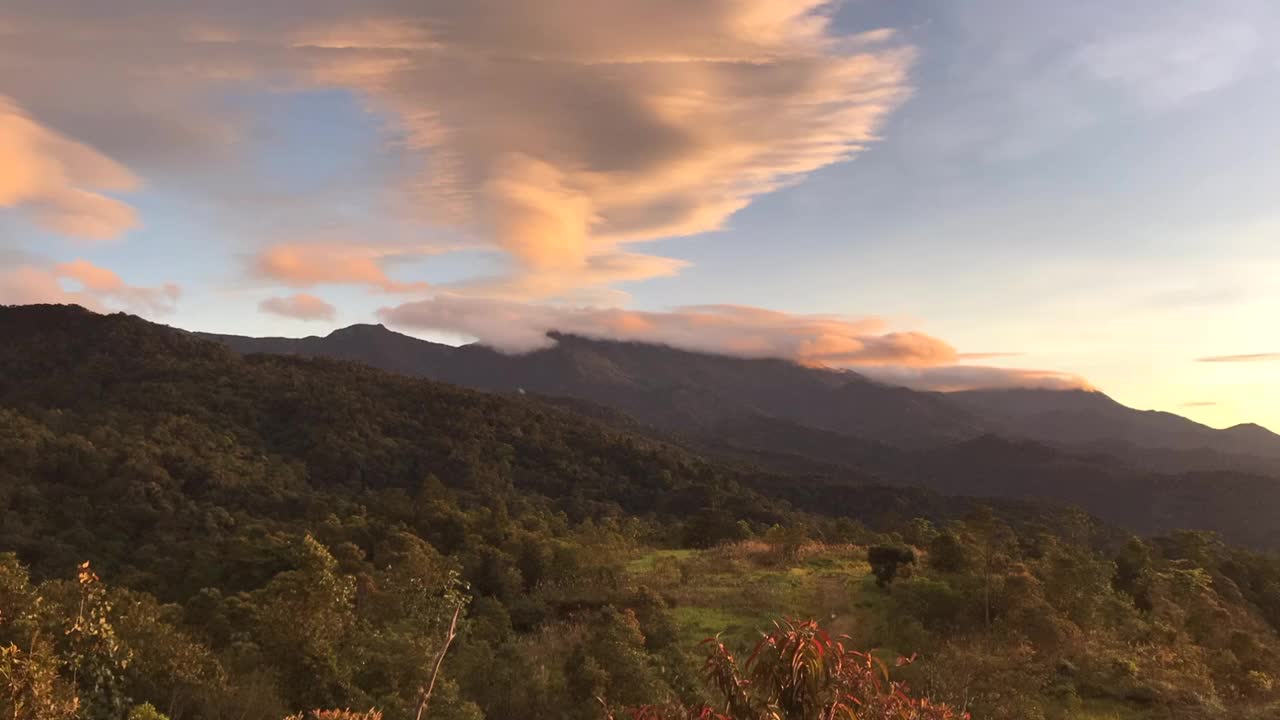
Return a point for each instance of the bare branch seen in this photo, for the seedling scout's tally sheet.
(430, 687)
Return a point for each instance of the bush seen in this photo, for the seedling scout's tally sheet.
(146, 711)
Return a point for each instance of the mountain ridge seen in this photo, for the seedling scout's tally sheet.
(695, 391)
(669, 387)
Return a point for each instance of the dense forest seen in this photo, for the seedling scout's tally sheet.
(187, 533)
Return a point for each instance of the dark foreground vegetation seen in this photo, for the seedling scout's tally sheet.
(269, 535)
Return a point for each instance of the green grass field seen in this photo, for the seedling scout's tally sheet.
(739, 591)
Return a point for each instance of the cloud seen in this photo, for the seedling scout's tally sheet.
(55, 180)
(988, 355)
(730, 329)
(1200, 404)
(304, 266)
(299, 307)
(1037, 76)
(956, 378)
(1255, 357)
(91, 286)
(1184, 56)
(911, 359)
(559, 138)
(577, 282)
(27, 284)
(555, 133)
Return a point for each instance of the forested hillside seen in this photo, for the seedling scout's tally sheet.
(267, 535)
(1157, 473)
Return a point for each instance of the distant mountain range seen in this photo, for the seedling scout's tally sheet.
(828, 441)
(1091, 419)
(836, 416)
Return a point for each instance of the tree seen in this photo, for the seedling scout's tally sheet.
(920, 532)
(885, 561)
(994, 542)
(1133, 570)
(948, 554)
(96, 654)
(305, 620)
(31, 684)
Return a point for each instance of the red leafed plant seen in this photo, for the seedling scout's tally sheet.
(799, 672)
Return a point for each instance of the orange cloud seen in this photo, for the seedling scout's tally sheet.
(299, 307)
(1255, 357)
(91, 286)
(26, 284)
(730, 329)
(92, 277)
(955, 378)
(53, 179)
(303, 266)
(555, 132)
(560, 131)
(578, 283)
(911, 359)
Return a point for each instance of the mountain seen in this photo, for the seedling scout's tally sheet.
(1091, 420)
(836, 414)
(672, 389)
(842, 433)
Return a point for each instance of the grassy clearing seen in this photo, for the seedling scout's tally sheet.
(646, 563)
(738, 590)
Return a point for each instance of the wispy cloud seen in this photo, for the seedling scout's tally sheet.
(299, 307)
(1200, 404)
(83, 283)
(955, 378)
(907, 358)
(988, 355)
(730, 329)
(58, 181)
(556, 133)
(560, 132)
(1254, 357)
(1167, 63)
(302, 265)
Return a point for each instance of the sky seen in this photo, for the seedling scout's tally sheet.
(940, 193)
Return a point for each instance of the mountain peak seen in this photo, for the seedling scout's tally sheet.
(362, 329)
(1252, 430)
